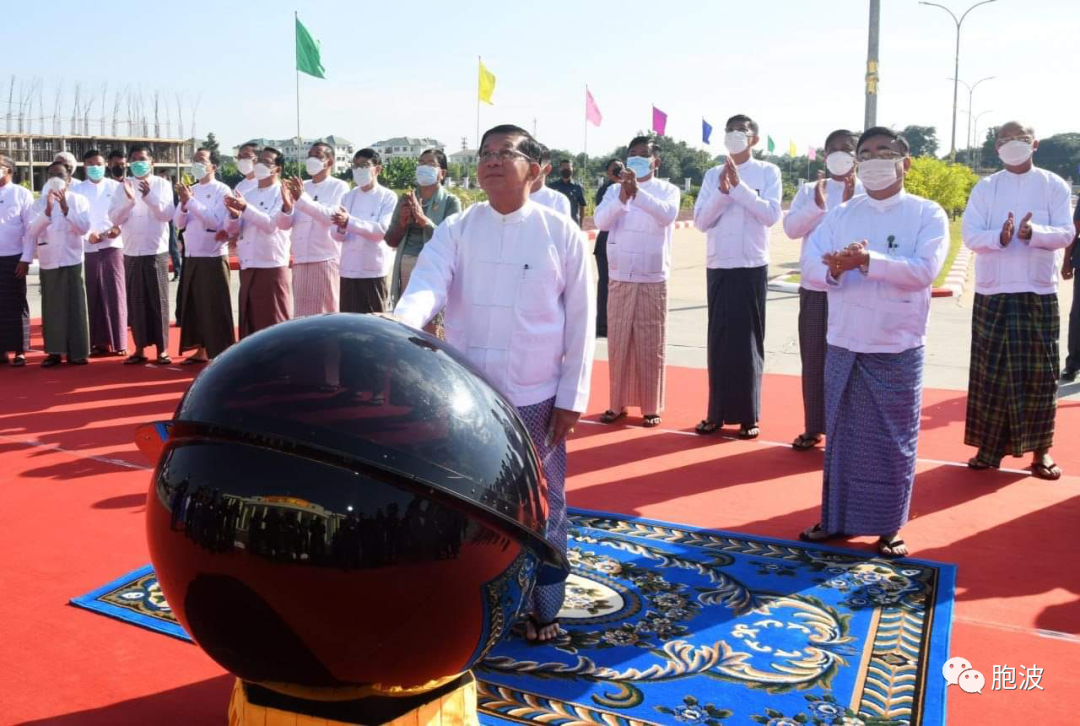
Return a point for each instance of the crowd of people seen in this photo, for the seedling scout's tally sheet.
(508, 283)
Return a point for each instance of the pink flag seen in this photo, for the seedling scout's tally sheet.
(813, 153)
(659, 120)
(592, 111)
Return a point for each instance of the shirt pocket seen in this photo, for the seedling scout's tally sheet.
(988, 268)
(893, 322)
(1042, 266)
(536, 292)
(535, 358)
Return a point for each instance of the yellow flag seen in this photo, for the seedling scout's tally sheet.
(487, 84)
(792, 150)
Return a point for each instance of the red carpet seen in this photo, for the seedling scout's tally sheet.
(72, 519)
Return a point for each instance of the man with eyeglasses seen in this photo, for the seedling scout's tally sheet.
(360, 224)
(738, 203)
(809, 207)
(316, 252)
(514, 278)
(1017, 223)
(879, 254)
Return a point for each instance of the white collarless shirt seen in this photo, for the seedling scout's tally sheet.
(1031, 266)
(885, 309)
(736, 224)
(805, 215)
(639, 231)
(59, 238)
(100, 195)
(262, 229)
(144, 221)
(15, 205)
(202, 219)
(364, 252)
(245, 185)
(311, 238)
(519, 300)
(551, 199)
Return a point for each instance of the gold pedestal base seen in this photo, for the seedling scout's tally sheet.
(454, 708)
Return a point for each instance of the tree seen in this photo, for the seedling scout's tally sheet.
(947, 184)
(923, 140)
(399, 173)
(211, 143)
(1060, 154)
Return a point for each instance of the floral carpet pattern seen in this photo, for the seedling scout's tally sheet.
(668, 624)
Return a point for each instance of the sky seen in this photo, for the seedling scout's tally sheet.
(410, 69)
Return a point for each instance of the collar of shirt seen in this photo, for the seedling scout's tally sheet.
(888, 203)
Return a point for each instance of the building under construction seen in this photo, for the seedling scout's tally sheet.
(32, 153)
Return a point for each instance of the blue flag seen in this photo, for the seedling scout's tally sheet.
(706, 131)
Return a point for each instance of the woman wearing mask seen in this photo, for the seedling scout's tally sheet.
(417, 215)
(612, 171)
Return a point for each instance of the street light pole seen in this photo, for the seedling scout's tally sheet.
(956, 73)
(971, 94)
(870, 116)
(978, 157)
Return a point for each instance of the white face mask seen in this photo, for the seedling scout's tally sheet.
(736, 142)
(198, 170)
(314, 166)
(245, 165)
(54, 184)
(262, 171)
(878, 174)
(1015, 152)
(839, 163)
(362, 175)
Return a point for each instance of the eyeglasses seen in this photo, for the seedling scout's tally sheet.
(364, 165)
(1026, 138)
(502, 156)
(883, 154)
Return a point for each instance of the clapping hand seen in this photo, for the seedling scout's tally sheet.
(417, 211)
(849, 187)
(1025, 230)
(126, 184)
(629, 189)
(1007, 230)
(144, 187)
(295, 186)
(852, 256)
(340, 217)
(183, 191)
(286, 199)
(235, 203)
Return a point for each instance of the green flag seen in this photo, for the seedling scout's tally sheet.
(307, 52)
(772, 145)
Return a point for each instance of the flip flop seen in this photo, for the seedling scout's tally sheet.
(134, 360)
(163, 360)
(806, 443)
(815, 534)
(891, 544)
(706, 427)
(651, 420)
(194, 361)
(749, 432)
(610, 416)
(979, 465)
(19, 360)
(1049, 473)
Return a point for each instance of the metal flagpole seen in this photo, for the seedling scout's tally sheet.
(479, 70)
(296, 19)
(585, 153)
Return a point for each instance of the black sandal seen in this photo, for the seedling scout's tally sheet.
(816, 534)
(134, 360)
(651, 420)
(706, 427)
(610, 416)
(806, 443)
(51, 360)
(749, 432)
(163, 360)
(1049, 473)
(891, 545)
(194, 361)
(19, 360)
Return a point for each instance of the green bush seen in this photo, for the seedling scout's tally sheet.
(399, 173)
(947, 184)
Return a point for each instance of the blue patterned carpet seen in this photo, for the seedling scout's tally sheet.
(666, 624)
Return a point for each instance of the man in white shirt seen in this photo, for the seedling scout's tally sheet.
(59, 222)
(246, 158)
(142, 212)
(638, 214)
(104, 261)
(808, 208)
(15, 257)
(206, 321)
(541, 193)
(514, 278)
(316, 253)
(879, 302)
(737, 205)
(1017, 223)
(360, 223)
(260, 221)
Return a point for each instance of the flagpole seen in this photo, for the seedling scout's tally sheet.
(296, 19)
(479, 71)
(585, 153)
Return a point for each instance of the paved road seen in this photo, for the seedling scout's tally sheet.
(948, 347)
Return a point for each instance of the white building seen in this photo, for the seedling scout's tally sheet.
(467, 157)
(405, 147)
(343, 149)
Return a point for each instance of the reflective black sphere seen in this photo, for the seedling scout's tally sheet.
(344, 501)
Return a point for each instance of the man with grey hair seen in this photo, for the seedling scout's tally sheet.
(15, 256)
(68, 159)
(1017, 223)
